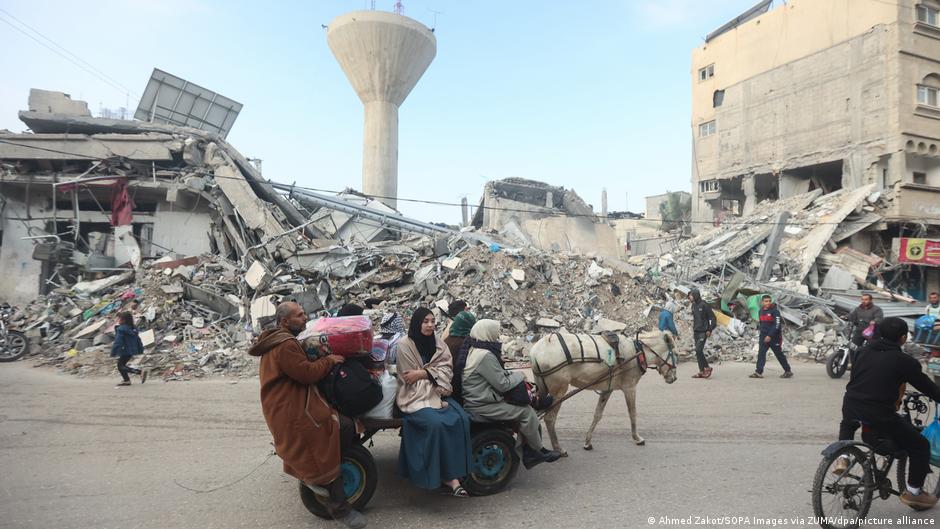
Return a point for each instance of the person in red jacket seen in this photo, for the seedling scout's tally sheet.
(771, 336)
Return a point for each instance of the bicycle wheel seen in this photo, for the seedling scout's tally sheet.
(841, 501)
(931, 484)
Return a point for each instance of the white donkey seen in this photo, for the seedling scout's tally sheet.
(560, 360)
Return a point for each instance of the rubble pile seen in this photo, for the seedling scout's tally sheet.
(802, 250)
(532, 292)
(187, 312)
(197, 315)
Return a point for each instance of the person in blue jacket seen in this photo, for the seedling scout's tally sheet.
(127, 344)
(666, 320)
(771, 336)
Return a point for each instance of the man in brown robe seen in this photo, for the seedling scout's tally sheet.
(306, 429)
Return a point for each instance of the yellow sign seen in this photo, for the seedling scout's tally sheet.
(916, 249)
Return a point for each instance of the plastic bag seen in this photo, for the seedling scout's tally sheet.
(869, 331)
(932, 433)
(384, 409)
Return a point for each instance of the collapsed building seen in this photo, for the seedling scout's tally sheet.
(175, 225)
(550, 218)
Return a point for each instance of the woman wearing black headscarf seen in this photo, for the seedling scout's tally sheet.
(435, 446)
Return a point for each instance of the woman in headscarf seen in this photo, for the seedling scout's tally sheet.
(485, 380)
(392, 329)
(435, 446)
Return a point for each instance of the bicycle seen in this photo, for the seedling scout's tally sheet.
(847, 497)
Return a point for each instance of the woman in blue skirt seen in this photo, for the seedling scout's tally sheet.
(435, 446)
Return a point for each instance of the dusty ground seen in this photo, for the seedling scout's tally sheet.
(78, 453)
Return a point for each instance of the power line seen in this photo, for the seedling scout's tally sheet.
(65, 53)
(460, 205)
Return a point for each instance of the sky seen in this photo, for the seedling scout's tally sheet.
(585, 95)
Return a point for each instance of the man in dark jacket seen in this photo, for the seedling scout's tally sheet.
(771, 336)
(703, 323)
(871, 399)
(867, 313)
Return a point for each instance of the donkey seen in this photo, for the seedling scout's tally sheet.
(561, 360)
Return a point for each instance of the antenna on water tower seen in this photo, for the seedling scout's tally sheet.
(399, 8)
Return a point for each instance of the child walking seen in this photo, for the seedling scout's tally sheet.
(127, 344)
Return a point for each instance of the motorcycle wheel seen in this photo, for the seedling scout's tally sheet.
(835, 368)
(13, 346)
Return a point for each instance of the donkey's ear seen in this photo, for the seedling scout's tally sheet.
(667, 336)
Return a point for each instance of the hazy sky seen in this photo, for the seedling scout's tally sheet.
(585, 95)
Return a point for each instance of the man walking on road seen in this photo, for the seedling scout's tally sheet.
(771, 336)
(703, 323)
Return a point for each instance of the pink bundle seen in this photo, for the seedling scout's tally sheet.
(345, 336)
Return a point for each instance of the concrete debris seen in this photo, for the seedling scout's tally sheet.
(219, 247)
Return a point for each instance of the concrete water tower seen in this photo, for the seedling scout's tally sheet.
(383, 56)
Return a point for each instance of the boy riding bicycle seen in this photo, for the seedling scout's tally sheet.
(880, 372)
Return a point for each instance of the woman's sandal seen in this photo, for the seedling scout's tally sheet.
(458, 492)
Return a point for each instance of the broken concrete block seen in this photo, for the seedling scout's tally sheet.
(440, 247)
(512, 284)
(90, 287)
(184, 271)
(452, 263)
(548, 323)
(839, 279)
(175, 288)
(518, 275)
(92, 328)
(261, 308)
(147, 338)
(518, 324)
(596, 271)
(168, 262)
(800, 349)
(257, 275)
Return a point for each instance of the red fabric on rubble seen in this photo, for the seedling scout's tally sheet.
(121, 204)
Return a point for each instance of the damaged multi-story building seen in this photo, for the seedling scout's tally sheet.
(819, 94)
(83, 197)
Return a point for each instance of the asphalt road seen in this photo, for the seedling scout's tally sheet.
(78, 453)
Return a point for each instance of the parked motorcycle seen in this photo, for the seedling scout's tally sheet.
(13, 344)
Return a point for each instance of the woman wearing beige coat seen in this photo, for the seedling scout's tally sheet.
(435, 446)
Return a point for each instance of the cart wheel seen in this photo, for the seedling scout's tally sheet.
(494, 461)
(359, 481)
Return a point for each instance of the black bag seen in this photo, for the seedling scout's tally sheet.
(519, 395)
(351, 389)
